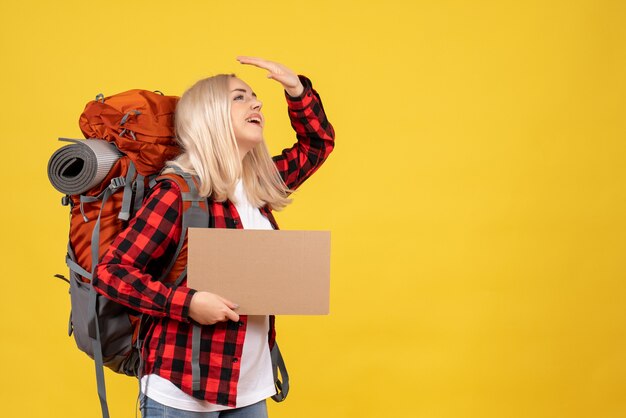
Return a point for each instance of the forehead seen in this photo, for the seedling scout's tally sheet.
(236, 83)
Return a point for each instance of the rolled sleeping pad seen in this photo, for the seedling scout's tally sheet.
(76, 168)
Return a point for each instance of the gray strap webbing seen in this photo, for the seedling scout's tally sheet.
(282, 388)
(70, 252)
(115, 183)
(196, 217)
(178, 170)
(192, 197)
(139, 347)
(95, 249)
(94, 334)
(195, 357)
(95, 235)
(93, 326)
(86, 199)
(70, 256)
(128, 193)
(180, 277)
(76, 268)
(139, 192)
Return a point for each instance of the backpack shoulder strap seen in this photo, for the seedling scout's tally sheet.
(278, 365)
(195, 213)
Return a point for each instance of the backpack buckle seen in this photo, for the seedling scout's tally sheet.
(117, 182)
(65, 200)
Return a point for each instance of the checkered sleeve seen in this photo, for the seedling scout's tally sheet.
(315, 137)
(150, 238)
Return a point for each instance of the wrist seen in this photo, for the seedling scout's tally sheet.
(295, 92)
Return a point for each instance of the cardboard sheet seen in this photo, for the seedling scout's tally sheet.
(265, 272)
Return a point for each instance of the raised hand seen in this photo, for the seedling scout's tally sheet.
(290, 81)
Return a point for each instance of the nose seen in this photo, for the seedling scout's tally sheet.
(256, 104)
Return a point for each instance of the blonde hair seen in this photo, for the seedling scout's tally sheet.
(209, 149)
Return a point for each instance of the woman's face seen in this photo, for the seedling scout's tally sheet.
(245, 115)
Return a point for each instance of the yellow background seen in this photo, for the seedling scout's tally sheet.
(476, 197)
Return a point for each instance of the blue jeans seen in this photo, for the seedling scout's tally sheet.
(152, 409)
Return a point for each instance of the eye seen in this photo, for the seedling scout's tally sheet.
(238, 97)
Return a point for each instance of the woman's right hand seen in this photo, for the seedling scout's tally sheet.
(208, 308)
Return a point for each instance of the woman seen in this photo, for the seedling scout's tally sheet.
(219, 125)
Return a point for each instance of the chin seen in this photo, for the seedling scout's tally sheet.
(249, 144)
(256, 141)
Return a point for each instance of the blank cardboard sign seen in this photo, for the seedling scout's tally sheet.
(264, 272)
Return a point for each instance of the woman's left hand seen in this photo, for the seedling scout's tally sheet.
(290, 81)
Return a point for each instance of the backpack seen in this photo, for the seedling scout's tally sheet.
(130, 136)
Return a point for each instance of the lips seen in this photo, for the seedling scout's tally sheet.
(255, 119)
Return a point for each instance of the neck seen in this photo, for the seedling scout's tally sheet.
(243, 153)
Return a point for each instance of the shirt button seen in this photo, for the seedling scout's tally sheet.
(235, 221)
(240, 323)
(235, 360)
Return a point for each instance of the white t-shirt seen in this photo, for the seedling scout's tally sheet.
(256, 381)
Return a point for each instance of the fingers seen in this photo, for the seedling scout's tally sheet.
(232, 315)
(229, 311)
(257, 62)
(228, 303)
(277, 71)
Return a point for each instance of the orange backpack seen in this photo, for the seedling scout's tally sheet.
(135, 130)
(140, 124)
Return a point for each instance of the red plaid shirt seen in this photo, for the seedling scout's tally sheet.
(128, 271)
